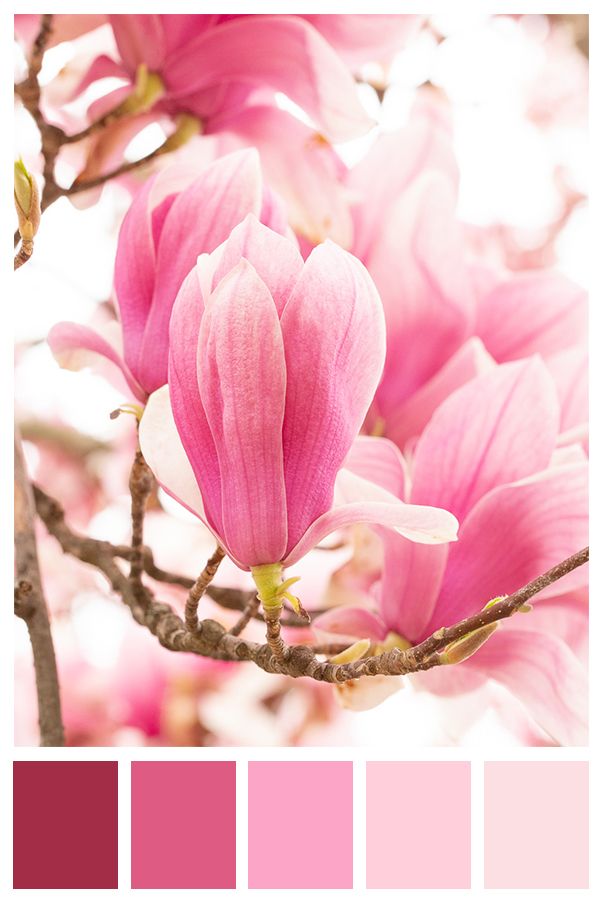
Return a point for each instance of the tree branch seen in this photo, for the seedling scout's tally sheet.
(30, 605)
(199, 589)
(212, 640)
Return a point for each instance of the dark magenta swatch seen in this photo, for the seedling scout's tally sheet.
(65, 825)
(183, 825)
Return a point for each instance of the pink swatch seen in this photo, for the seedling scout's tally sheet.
(300, 825)
(536, 825)
(418, 825)
(183, 825)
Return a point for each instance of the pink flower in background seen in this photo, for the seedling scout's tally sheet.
(273, 363)
(172, 220)
(487, 456)
(447, 319)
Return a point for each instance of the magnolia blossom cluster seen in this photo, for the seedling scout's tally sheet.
(316, 349)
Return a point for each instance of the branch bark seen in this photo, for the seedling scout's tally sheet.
(30, 605)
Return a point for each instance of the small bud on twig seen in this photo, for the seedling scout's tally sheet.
(466, 646)
(27, 205)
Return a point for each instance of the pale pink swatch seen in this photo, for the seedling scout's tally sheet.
(418, 825)
(300, 825)
(536, 825)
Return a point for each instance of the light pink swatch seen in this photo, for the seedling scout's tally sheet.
(536, 825)
(183, 825)
(300, 825)
(418, 825)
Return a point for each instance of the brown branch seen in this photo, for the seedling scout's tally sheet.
(199, 588)
(30, 605)
(249, 613)
(141, 483)
(212, 640)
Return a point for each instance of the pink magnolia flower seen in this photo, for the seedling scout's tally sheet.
(173, 219)
(220, 74)
(487, 456)
(272, 365)
(447, 320)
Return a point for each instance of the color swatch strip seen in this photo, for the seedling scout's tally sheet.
(300, 825)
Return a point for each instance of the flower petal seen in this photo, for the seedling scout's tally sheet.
(497, 428)
(515, 533)
(163, 451)
(418, 264)
(75, 347)
(200, 219)
(283, 53)
(533, 312)
(408, 419)
(369, 504)
(241, 373)
(188, 411)
(379, 460)
(276, 259)
(140, 39)
(412, 577)
(304, 169)
(541, 671)
(333, 331)
(351, 621)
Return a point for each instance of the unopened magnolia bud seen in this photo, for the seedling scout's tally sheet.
(27, 202)
(466, 646)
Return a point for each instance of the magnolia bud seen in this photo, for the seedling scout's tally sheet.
(27, 202)
(466, 646)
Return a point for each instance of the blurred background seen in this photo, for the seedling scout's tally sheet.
(517, 90)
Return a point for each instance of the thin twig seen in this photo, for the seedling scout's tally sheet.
(141, 483)
(199, 588)
(23, 254)
(30, 605)
(249, 613)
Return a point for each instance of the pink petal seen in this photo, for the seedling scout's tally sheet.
(419, 268)
(333, 331)
(533, 312)
(302, 167)
(75, 346)
(283, 53)
(545, 675)
(366, 38)
(412, 578)
(569, 370)
(351, 621)
(369, 504)
(275, 258)
(188, 411)
(201, 217)
(380, 461)
(409, 418)
(499, 427)
(241, 372)
(515, 533)
(394, 161)
(140, 39)
(134, 272)
(102, 67)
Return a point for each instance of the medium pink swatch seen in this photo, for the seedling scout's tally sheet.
(418, 825)
(536, 825)
(300, 825)
(183, 825)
